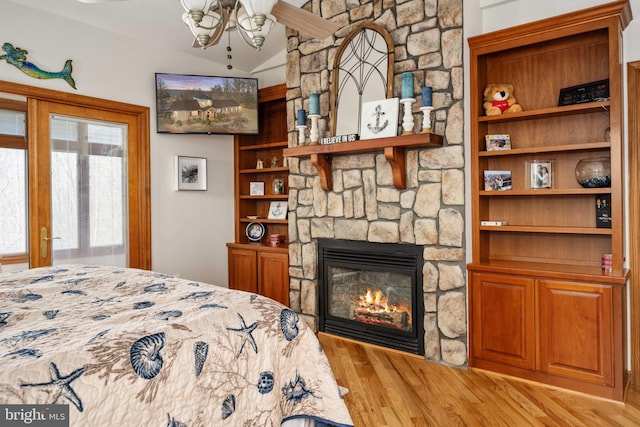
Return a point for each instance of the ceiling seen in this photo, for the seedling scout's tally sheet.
(159, 22)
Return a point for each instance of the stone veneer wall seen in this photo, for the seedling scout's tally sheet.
(364, 204)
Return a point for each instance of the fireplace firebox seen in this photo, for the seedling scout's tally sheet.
(372, 292)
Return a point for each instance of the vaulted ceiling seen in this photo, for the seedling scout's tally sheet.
(159, 23)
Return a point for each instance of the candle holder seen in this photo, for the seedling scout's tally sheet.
(426, 119)
(301, 134)
(314, 134)
(407, 119)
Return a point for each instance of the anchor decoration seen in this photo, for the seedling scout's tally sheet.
(378, 115)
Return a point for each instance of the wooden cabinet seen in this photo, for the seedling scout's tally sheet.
(548, 255)
(243, 272)
(503, 319)
(561, 332)
(273, 273)
(259, 269)
(577, 343)
(259, 163)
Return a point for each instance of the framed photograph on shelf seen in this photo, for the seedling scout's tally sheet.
(278, 210)
(497, 180)
(498, 142)
(191, 173)
(540, 174)
(379, 118)
(256, 188)
(255, 231)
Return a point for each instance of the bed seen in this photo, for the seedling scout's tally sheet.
(127, 347)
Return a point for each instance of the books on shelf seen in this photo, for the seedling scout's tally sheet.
(603, 211)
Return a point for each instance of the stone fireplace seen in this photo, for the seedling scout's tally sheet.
(363, 204)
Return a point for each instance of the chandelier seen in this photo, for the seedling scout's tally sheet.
(208, 19)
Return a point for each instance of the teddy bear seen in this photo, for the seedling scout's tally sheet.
(499, 99)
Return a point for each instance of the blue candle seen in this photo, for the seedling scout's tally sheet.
(407, 85)
(314, 103)
(427, 91)
(302, 119)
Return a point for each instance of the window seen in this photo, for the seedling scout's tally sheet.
(13, 182)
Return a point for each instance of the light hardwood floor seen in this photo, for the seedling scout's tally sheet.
(394, 389)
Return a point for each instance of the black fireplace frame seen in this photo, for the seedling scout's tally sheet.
(385, 257)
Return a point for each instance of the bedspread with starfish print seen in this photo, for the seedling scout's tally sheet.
(127, 347)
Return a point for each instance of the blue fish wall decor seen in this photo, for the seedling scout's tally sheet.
(18, 58)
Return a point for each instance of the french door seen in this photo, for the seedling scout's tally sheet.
(87, 172)
(79, 214)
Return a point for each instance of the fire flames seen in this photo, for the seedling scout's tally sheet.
(374, 307)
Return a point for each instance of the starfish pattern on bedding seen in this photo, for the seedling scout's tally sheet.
(246, 332)
(102, 301)
(60, 385)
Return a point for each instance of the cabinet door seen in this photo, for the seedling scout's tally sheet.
(273, 276)
(576, 330)
(242, 270)
(502, 318)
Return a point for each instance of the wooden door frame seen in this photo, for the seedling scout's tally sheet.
(139, 176)
(633, 90)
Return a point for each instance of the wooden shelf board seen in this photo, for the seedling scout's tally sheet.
(321, 155)
(261, 246)
(562, 271)
(541, 113)
(264, 170)
(553, 149)
(266, 197)
(545, 192)
(367, 145)
(264, 220)
(546, 230)
(278, 144)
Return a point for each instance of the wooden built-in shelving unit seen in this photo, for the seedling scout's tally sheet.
(261, 267)
(541, 306)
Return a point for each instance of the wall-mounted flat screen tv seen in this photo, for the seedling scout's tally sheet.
(206, 104)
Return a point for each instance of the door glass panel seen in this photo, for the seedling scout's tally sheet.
(12, 122)
(14, 239)
(107, 203)
(89, 191)
(64, 200)
(13, 201)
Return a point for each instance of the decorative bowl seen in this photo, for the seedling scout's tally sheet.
(594, 173)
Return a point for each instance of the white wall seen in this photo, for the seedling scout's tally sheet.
(189, 229)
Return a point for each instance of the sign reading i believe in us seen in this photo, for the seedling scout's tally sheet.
(339, 138)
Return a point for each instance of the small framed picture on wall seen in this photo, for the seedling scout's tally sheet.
(191, 173)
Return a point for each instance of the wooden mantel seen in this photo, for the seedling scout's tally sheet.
(393, 147)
